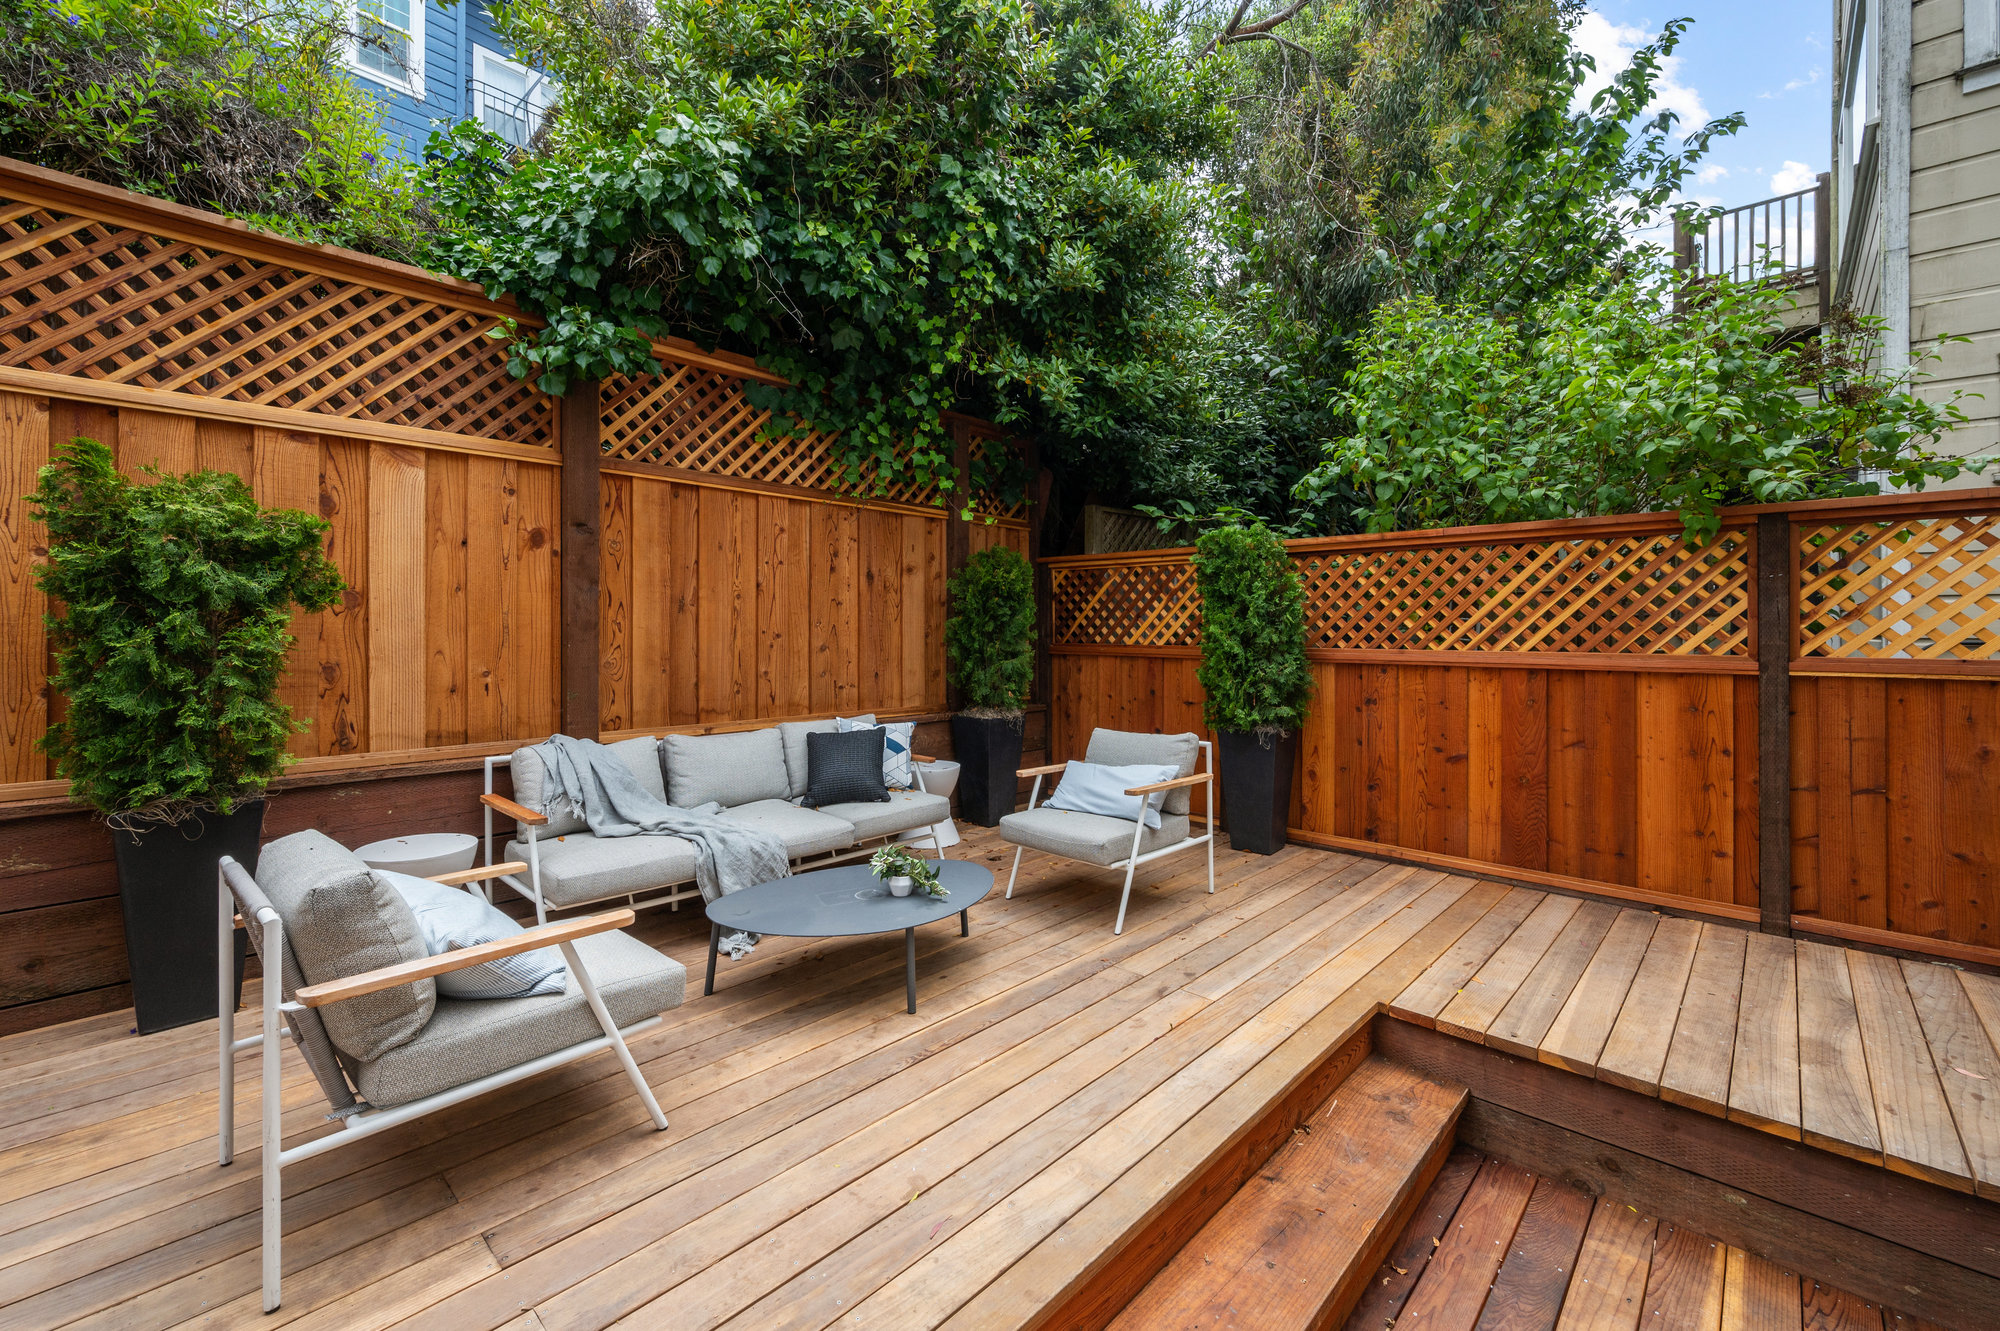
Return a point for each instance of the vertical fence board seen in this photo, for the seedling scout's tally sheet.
(491, 562)
(682, 663)
(1524, 769)
(342, 726)
(285, 474)
(396, 578)
(614, 611)
(1915, 739)
(445, 601)
(1971, 809)
(156, 439)
(24, 694)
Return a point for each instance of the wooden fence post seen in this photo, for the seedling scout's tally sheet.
(1823, 244)
(1774, 722)
(581, 458)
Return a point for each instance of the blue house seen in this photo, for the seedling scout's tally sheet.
(429, 62)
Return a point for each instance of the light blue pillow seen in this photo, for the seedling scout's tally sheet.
(897, 740)
(1096, 788)
(450, 918)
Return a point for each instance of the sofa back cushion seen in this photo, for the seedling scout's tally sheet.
(641, 756)
(729, 769)
(794, 733)
(341, 920)
(1121, 748)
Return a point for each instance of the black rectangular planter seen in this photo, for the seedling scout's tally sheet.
(167, 887)
(988, 750)
(1256, 773)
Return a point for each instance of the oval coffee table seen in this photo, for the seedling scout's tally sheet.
(844, 903)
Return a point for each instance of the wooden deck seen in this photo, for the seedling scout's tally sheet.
(833, 1160)
(1494, 1246)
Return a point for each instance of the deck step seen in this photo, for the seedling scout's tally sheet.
(1299, 1240)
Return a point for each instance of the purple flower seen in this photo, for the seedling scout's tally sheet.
(368, 157)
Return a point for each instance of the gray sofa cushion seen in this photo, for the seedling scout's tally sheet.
(1090, 837)
(729, 769)
(579, 867)
(641, 755)
(904, 811)
(341, 921)
(793, 734)
(472, 1038)
(1121, 748)
(804, 831)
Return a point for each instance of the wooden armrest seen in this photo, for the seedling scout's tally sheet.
(518, 812)
(1194, 780)
(1041, 771)
(480, 873)
(388, 977)
(922, 758)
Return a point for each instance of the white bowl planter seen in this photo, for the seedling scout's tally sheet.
(421, 856)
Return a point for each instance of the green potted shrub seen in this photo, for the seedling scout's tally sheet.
(990, 642)
(171, 604)
(1254, 671)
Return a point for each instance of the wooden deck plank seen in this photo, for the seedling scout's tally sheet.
(1758, 1295)
(1529, 1012)
(1831, 1309)
(1528, 1292)
(1576, 1037)
(1836, 1107)
(1704, 1044)
(1608, 1292)
(1447, 976)
(1968, 1066)
(1635, 1053)
(1486, 994)
(1918, 1136)
(1764, 1074)
(1455, 1286)
(1684, 1291)
(1383, 1300)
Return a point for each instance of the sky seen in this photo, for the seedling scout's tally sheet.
(1769, 59)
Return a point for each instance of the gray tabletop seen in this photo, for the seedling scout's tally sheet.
(835, 903)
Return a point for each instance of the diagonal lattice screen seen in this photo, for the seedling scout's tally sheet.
(100, 300)
(1920, 588)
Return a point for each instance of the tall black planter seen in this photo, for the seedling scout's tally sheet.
(166, 883)
(1256, 773)
(988, 749)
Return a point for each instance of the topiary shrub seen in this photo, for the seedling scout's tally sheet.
(1253, 632)
(170, 629)
(990, 635)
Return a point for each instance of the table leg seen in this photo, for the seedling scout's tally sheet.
(964, 924)
(910, 966)
(714, 937)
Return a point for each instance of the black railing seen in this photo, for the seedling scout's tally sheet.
(510, 115)
(1786, 239)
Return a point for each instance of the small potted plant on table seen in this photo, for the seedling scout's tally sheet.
(990, 640)
(903, 873)
(1255, 675)
(171, 604)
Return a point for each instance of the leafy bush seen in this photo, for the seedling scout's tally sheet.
(173, 601)
(212, 104)
(990, 635)
(1598, 400)
(1253, 632)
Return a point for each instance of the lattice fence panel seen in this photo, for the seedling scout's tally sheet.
(1644, 594)
(990, 501)
(1920, 588)
(1125, 605)
(99, 300)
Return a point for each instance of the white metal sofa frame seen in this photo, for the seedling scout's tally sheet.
(236, 889)
(1133, 858)
(527, 820)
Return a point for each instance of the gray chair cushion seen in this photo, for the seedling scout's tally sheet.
(1090, 837)
(340, 921)
(470, 1038)
(1121, 748)
(804, 831)
(641, 756)
(580, 867)
(728, 769)
(905, 811)
(793, 734)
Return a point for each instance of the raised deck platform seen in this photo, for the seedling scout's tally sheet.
(1063, 1099)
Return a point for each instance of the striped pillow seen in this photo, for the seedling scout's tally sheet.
(450, 918)
(897, 739)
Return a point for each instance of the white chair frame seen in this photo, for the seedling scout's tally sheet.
(230, 879)
(1133, 859)
(676, 892)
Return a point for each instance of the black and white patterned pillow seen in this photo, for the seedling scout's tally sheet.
(897, 739)
(845, 768)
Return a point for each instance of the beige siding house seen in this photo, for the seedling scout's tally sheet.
(1916, 190)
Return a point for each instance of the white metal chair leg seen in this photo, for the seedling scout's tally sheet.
(274, 1143)
(535, 876)
(1017, 869)
(1125, 898)
(611, 1033)
(225, 971)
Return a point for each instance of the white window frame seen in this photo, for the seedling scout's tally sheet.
(538, 96)
(413, 82)
(1981, 66)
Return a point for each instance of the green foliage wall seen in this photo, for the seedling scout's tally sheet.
(171, 632)
(1253, 631)
(989, 637)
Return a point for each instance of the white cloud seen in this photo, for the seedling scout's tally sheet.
(1793, 176)
(1611, 45)
(1711, 173)
(1805, 82)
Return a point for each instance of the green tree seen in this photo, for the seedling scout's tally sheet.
(173, 602)
(989, 638)
(1253, 632)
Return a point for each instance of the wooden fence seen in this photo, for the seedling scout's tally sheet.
(636, 556)
(1593, 704)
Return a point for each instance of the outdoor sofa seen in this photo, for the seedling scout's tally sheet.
(756, 775)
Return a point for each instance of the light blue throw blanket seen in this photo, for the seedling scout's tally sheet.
(728, 855)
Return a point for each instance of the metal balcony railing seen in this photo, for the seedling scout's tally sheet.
(509, 114)
(1785, 239)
